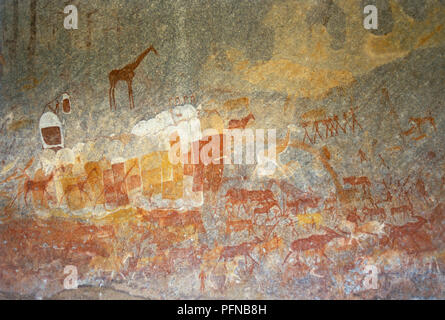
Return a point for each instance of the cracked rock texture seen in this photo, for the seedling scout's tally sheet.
(358, 181)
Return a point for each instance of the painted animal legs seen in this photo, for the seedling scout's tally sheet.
(109, 97)
(130, 94)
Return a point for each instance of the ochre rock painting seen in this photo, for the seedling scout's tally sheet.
(289, 154)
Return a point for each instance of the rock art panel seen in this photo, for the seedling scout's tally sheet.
(270, 150)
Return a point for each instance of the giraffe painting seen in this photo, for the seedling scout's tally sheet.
(126, 74)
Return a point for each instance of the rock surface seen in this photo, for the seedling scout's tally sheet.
(357, 183)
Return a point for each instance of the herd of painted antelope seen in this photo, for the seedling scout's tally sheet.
(258, 212)
(402, 216)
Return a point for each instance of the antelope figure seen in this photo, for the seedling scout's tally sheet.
(242, 123)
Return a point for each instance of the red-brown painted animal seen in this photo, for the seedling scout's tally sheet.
(405, 210)
(234, 197)
(410, 236)
(357, 181)
(189, 255)
(241, 123)
(353, 216)
(265, 199)
(305, 201)
(407, 228)
(289, 190)
(266, 207)
(40, 185)
(80, 185)
(239, 225)
(316, 241)
(374, 212)
(244, 249)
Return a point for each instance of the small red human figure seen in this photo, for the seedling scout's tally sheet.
(362, 156)
(202, 277)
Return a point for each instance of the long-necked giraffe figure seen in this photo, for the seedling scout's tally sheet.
(126, 74)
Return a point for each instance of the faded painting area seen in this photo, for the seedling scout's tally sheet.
(347, 203)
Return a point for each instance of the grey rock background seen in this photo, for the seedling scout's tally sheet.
(287, 57)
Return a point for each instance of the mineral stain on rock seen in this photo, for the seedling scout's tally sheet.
(346, 127)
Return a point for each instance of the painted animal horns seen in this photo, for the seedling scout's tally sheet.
(154, 50)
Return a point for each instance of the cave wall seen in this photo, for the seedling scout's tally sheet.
(351, 180)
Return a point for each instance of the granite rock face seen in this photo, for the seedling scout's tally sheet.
(115, 176)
